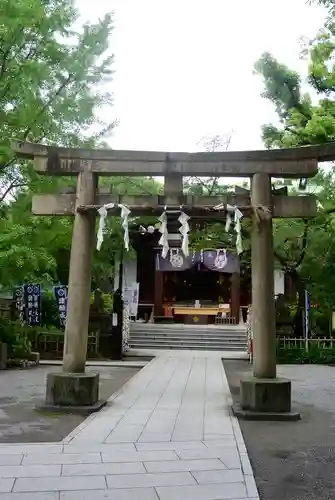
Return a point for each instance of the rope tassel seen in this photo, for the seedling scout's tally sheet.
(184, 231)
(103, 211)
(233, 215)
(164, 239)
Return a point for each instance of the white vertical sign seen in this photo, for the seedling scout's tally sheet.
(127, 294)
(135, 287)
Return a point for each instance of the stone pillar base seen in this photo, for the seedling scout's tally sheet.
(265, 399)
(72, 393)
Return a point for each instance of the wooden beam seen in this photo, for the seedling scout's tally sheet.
(195, 206)
(293, 162)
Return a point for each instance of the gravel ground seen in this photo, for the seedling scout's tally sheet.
(294, 460)
(21, 390)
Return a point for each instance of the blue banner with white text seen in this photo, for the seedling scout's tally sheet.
(60, 292)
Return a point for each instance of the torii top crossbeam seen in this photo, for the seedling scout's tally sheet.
(292, 162)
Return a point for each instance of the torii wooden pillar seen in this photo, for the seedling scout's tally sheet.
(262, 394)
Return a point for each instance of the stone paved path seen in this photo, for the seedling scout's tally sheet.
(167, 435)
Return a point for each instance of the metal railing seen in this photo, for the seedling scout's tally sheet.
(53, 343)
(290, 343)
(225, 320)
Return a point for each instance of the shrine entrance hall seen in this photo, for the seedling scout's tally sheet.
(206, 287)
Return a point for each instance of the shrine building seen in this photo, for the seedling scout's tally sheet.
(207, 287)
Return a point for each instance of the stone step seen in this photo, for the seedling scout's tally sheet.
(195, 331)
(186, 342)
(188, 335)
(177, 326)
(203, 347)
(179, 336)
(169, 340)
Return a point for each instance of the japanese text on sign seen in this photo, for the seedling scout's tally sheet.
(32, 304)
(61, 299)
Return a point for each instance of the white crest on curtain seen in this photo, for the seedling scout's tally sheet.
(176, 258)
(164, 239)
(233, 214)
(184, 231)
(221, 258)
(103, 211)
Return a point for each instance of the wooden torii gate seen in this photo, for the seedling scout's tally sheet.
(264, 392)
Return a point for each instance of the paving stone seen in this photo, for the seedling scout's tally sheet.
(168, 435)
(185, 465)
(30, 470)
(19, 449)
(60, 483)
(155, 437)
(221, 443)
(98, 429)
(6, 484)
(246, 466)
(172, 445)
(241, 447)
(139, 456)
(218, 476)
(123, 494)
(229, 457)
(188, 434)
(103, 469)
(98, 447)
(218, 426)
(14, 459)
(223, 491)
(15, 449)
(150, 480)
(209, 436)
(237, 430)
(125, 434)
(251, 486)
(31, 496)
(138, 417)
(61, 458)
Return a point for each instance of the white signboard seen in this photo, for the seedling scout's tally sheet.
(127, 294)
(279, 282)
(130, 297)
(134, 299)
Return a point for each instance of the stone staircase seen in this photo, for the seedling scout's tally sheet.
(178, 336)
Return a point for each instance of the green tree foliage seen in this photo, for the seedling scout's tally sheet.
(52, 80)
(329, 4)
(33, 247)
(305, 249)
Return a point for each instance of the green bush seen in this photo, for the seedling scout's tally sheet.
(105, 302)
(49, 310)
(108, 302)
(16, 337)
(299, 355)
